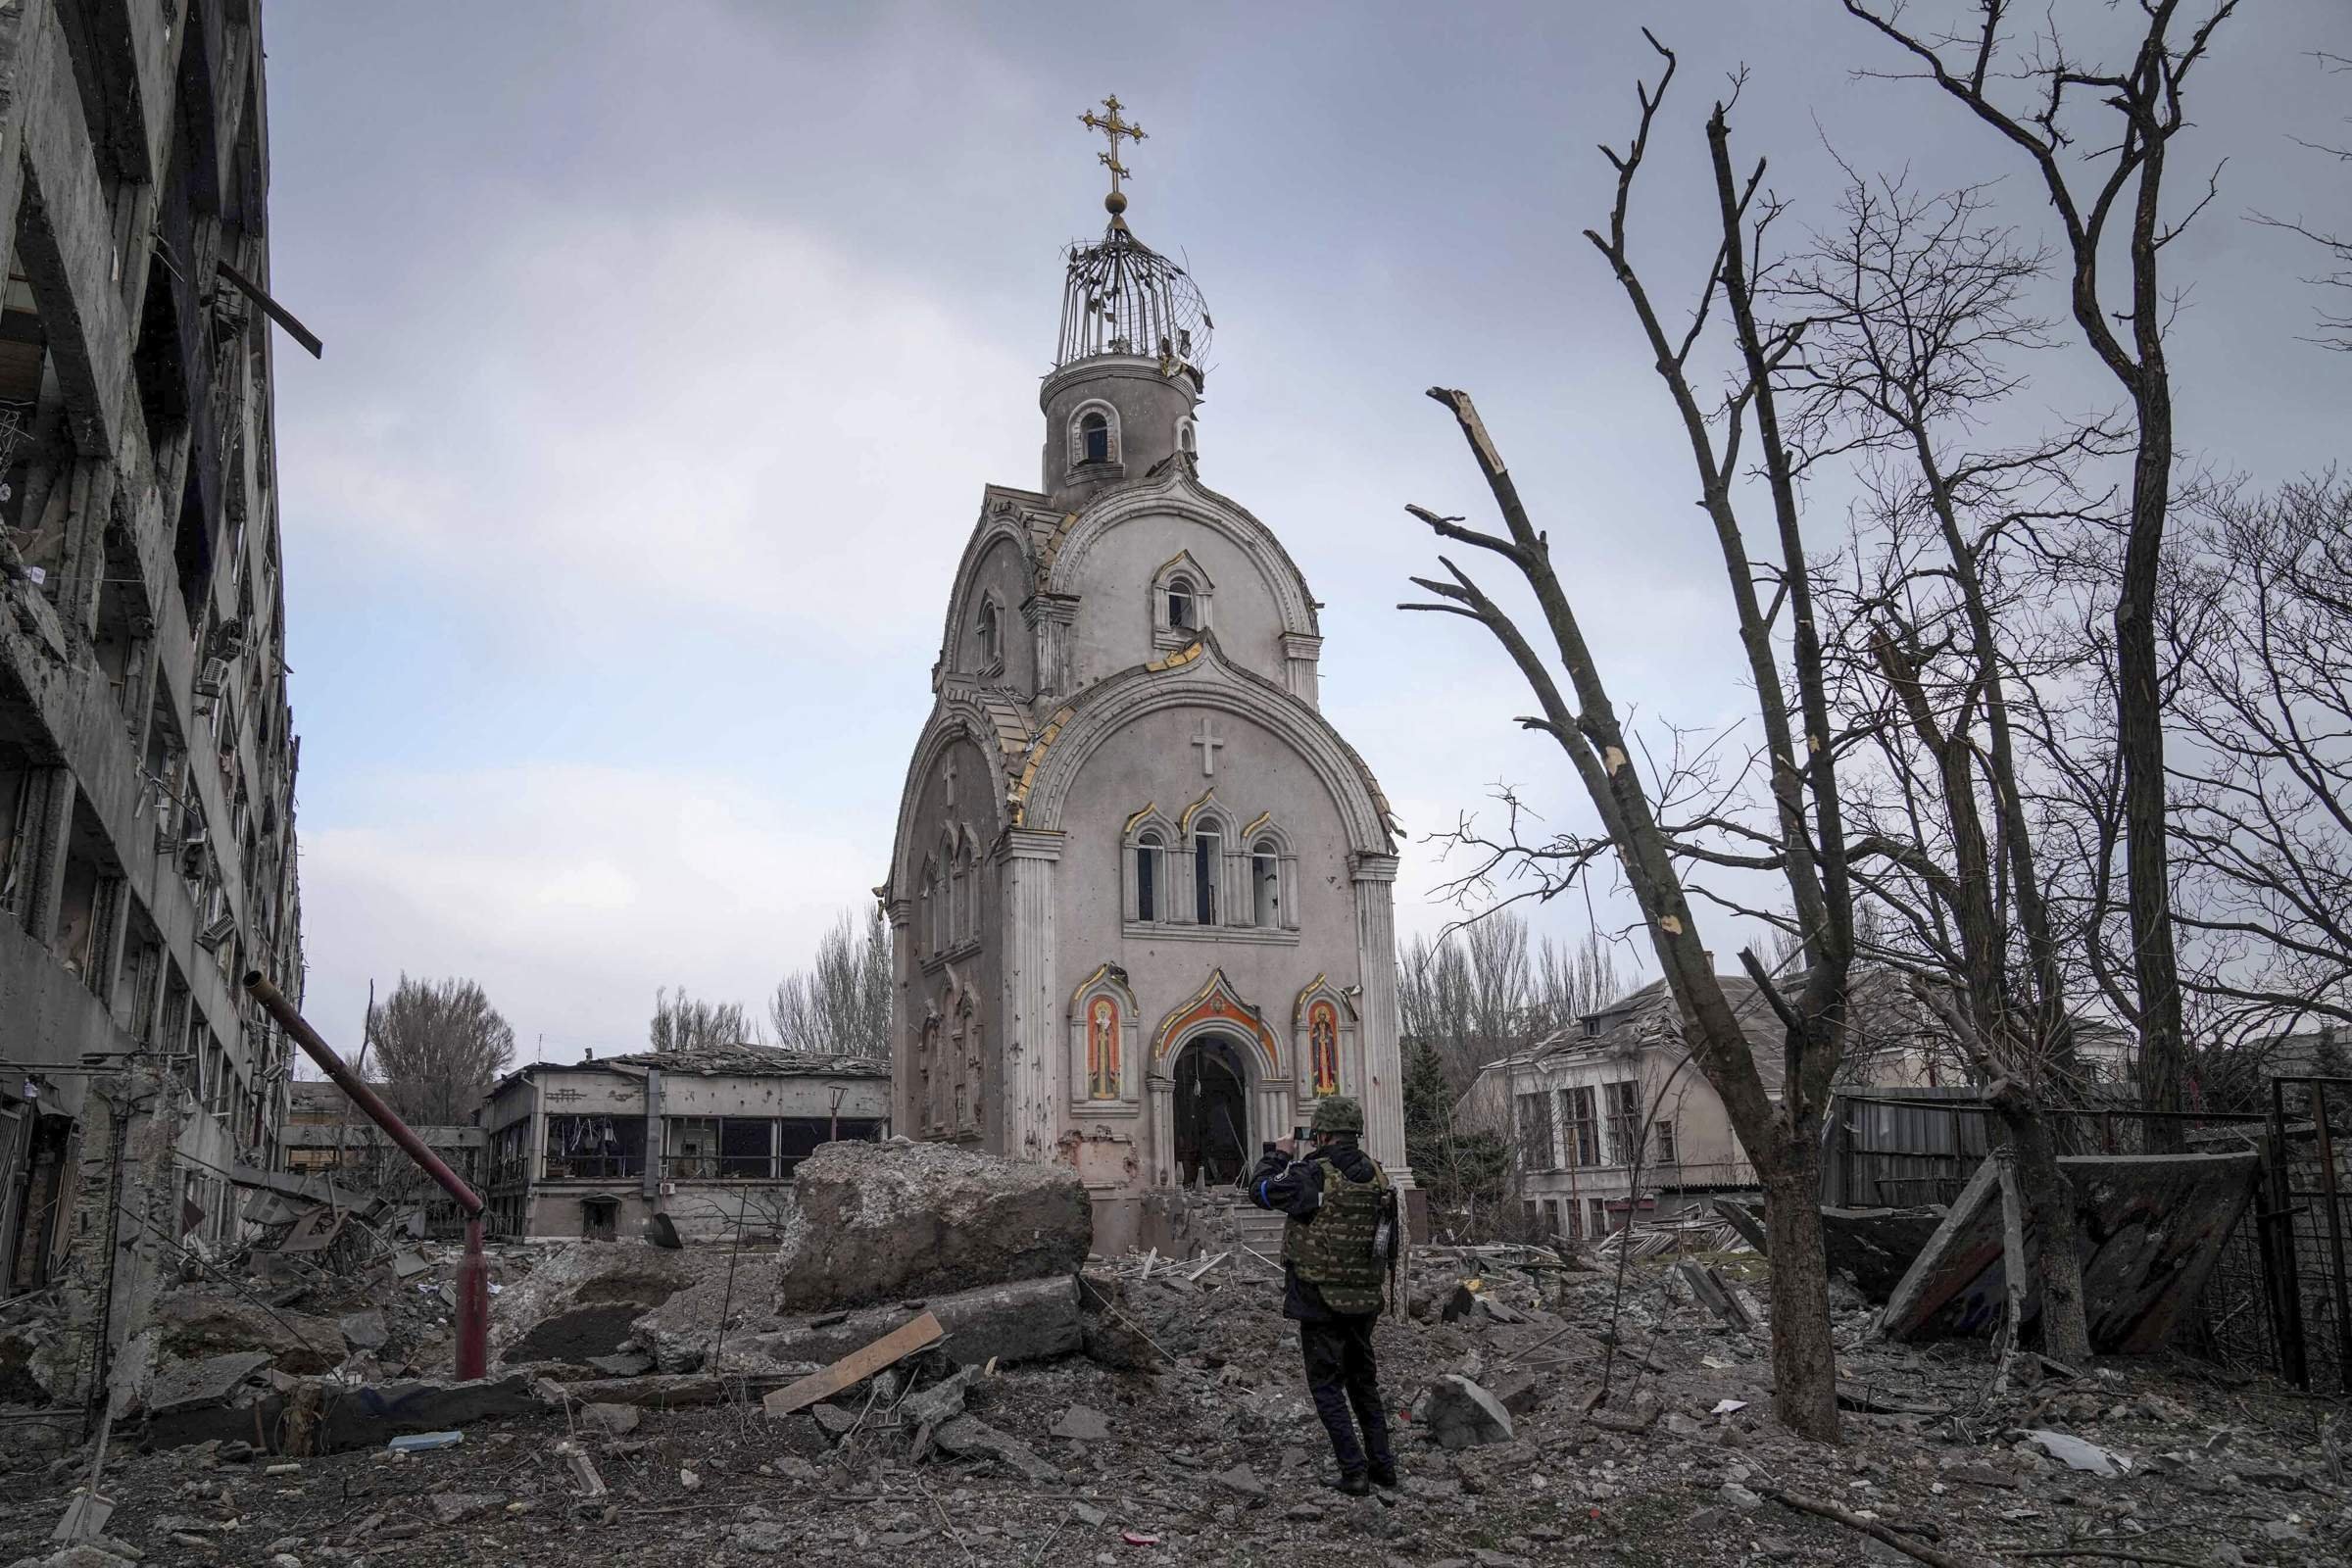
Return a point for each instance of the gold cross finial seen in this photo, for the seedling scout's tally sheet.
(1112, 126)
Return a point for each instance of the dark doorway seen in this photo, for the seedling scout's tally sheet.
(600, 1220)
(36, 1213)
(1212, 1113)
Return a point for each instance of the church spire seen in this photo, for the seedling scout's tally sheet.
(1113, 127)
(1132, 353)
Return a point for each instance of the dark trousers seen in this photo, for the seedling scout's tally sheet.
(1339, 1374)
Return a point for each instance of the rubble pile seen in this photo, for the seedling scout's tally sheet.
(1142, 1410)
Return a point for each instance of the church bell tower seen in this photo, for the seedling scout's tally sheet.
(1128, 371)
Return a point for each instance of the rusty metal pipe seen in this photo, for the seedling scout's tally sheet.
(473, 1276)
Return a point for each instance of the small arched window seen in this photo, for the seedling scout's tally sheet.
(1208, 852)
(1185, 439)
(1147, 851)
(1093, 438)
(958, 895)
(1265, 884)
(991, 629)
(1181, 605)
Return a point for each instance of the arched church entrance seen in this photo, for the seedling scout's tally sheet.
(1211, 1112)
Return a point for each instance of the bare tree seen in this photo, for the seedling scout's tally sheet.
(2119, 187)
(1799, 832)
(1914, 309)
(2261, 631)
(1573, 982)
(439, 1044)
(841, 1005)
(682, 1023)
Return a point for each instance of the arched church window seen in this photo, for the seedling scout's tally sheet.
(1093, 438)
(1147, 851)
(1265, 884)
(1181, 606)
(1208, 852)
(959, 885)
(992, 638)
(1185, 439)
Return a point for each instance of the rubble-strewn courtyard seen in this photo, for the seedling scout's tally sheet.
(1168, 1423)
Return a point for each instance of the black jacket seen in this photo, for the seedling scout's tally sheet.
(1296, 1188)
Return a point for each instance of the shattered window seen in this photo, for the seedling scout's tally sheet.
(1584, 1126)
(588, 1147)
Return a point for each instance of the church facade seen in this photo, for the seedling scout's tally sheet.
(1141, 889)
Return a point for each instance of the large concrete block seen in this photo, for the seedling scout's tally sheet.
(879, 1222)
(1029, 1320)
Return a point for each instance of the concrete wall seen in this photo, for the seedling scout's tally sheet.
(130, 549)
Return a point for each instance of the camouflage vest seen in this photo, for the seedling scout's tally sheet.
(1334, 1250)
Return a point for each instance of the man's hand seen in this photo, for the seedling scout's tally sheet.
(1286, 1148)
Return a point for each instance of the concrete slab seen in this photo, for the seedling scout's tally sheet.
(2152, 1227)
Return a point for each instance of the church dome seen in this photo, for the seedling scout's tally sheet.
(1124, 298)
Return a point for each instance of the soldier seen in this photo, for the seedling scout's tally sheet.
(1340, 1243)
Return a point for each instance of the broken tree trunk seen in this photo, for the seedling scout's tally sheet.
(2013, 1266)
(1803, 1360)
(2050, 1211)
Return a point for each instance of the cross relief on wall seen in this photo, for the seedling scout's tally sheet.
(1208, 743)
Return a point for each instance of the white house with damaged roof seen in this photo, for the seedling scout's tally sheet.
(706, 1138)
(1585, 1106)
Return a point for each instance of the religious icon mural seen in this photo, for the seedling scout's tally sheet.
(1102, 1049)
(1323, 1047)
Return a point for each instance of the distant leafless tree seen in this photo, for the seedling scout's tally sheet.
(682, 1023)
(1574, 981)
(2261, 631)
(841, 1005)
(2109, 201)
(439, 1044)
(1795, 831)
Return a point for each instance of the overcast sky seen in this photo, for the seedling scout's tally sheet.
(669, 346)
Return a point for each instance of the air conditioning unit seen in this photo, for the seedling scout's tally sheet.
(214, 679)
(219, 931)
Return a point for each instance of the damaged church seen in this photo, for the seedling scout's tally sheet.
(1141, 886)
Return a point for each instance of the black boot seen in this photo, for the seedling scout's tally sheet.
(1383, 1474)
(1355, 1483)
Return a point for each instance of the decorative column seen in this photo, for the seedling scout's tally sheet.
(1032, 1029)
(1300, 656)
(1376, 961)
(901, 913)
(1162, 1090)
(1051, 617)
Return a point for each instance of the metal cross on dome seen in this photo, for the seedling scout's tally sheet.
(1112, 126)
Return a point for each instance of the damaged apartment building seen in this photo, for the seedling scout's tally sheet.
(696, 1142)
(147, 753)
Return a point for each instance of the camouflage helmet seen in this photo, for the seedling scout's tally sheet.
(1338, 1115)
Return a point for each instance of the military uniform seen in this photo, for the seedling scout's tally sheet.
(1342, 1207)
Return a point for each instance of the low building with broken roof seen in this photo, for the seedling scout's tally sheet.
(1583, 1105)
(327, 1134)
(706, 1138)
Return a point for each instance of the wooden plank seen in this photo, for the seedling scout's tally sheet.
(856, 1367)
